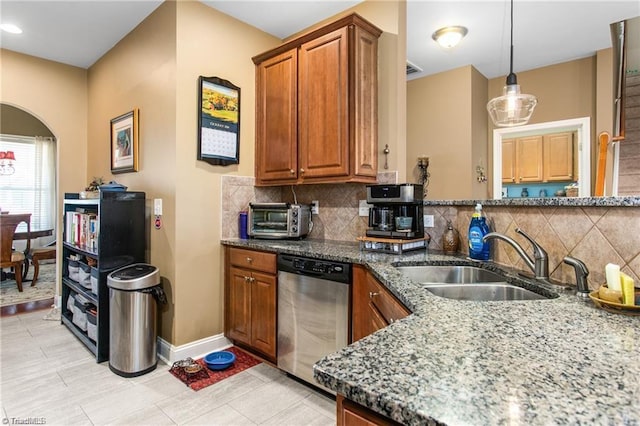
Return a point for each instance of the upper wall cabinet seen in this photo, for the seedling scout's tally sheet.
(548, 158)
(316, 114)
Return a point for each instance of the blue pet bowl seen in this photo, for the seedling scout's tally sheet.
(219, 360)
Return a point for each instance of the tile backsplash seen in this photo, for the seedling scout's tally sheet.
(595, 235)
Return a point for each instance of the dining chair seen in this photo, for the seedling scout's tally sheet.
(8, 256)
(35, 255)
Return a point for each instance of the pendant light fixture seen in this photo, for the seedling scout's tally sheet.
(512, 108)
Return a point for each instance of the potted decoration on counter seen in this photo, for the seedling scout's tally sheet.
(91, 191)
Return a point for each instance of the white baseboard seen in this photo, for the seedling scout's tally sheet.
(197, 349)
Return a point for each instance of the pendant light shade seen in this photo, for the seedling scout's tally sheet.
(512, 108)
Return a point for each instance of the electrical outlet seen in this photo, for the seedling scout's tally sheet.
(315, 207)
(363, 208)
(428, 221)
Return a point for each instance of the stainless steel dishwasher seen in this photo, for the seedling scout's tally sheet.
(313, 312)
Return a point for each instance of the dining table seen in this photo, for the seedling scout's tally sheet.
(28, 235)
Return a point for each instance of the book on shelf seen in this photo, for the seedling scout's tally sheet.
(81, 230)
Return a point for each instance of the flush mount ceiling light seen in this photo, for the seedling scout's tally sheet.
(449, 37)
(512, 108)
(10, 28)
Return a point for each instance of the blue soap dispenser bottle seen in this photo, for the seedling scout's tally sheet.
(478, 228)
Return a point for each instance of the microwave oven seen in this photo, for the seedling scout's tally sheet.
(278, 220)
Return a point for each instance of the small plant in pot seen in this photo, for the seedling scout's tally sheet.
(91, 191)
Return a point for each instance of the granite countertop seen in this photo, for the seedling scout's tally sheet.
(555, 361)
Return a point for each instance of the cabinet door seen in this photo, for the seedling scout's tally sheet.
(529, 159)
(351, 414)
(239, 305)
(373, 306)
(508, 160)
(558, 157)
(263, 313)
(276, 121)
(361, 323)
(323, 102)
(364, 104)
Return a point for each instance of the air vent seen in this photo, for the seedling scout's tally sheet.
(412, 68)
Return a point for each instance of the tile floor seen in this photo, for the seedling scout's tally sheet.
(48, 377)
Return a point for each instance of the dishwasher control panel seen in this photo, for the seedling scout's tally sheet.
(325, 269)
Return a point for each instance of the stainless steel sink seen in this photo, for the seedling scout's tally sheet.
(467, 283)
(453, 274)
(482, 292)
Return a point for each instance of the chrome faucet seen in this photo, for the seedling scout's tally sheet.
(541, 266)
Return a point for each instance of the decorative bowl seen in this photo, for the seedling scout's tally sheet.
(219, 360)
(112, 186)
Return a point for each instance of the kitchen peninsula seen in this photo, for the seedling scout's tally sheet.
(560, 360)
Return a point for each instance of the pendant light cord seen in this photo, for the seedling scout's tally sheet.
(511, 78)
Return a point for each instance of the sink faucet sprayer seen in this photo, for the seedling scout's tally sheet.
(541, 266)
(581, 275)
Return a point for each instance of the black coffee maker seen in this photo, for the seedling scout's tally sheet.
(397, 211)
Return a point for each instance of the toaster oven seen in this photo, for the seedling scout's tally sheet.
(278, 220)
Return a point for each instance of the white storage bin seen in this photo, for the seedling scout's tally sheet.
(71, 301)
(84, 275)
(94, 280)
(80, 315)
(74, 269)
(92, 324)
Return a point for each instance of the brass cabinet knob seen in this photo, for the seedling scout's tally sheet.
(249, 260)
(373, 294)
(293, 172)
(302, 170)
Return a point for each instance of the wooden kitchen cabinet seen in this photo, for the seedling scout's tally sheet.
(316, 115)
(250, 300)
(351, 414)
(374, 307)
(522, 160)
(529, 159)
(559, 157)
(508, 160)
(542, 158)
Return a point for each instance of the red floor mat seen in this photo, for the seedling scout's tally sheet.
(206, 377)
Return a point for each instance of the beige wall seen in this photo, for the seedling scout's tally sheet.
(210, 44)
(56, 94)
(439, 126)
(479, 139)
(139, 72)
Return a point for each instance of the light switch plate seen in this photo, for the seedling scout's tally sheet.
(428, 221)
(157, 207)
(363, 208)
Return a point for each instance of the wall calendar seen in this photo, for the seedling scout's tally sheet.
(218, 121)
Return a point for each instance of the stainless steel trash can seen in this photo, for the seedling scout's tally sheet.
(134, 292)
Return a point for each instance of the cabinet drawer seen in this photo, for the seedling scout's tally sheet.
(390, 308)
(251, 259)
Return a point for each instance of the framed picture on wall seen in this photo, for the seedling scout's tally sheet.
(218, 121)
(124, 143)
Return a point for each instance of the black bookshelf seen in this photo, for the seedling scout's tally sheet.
(121, 240)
